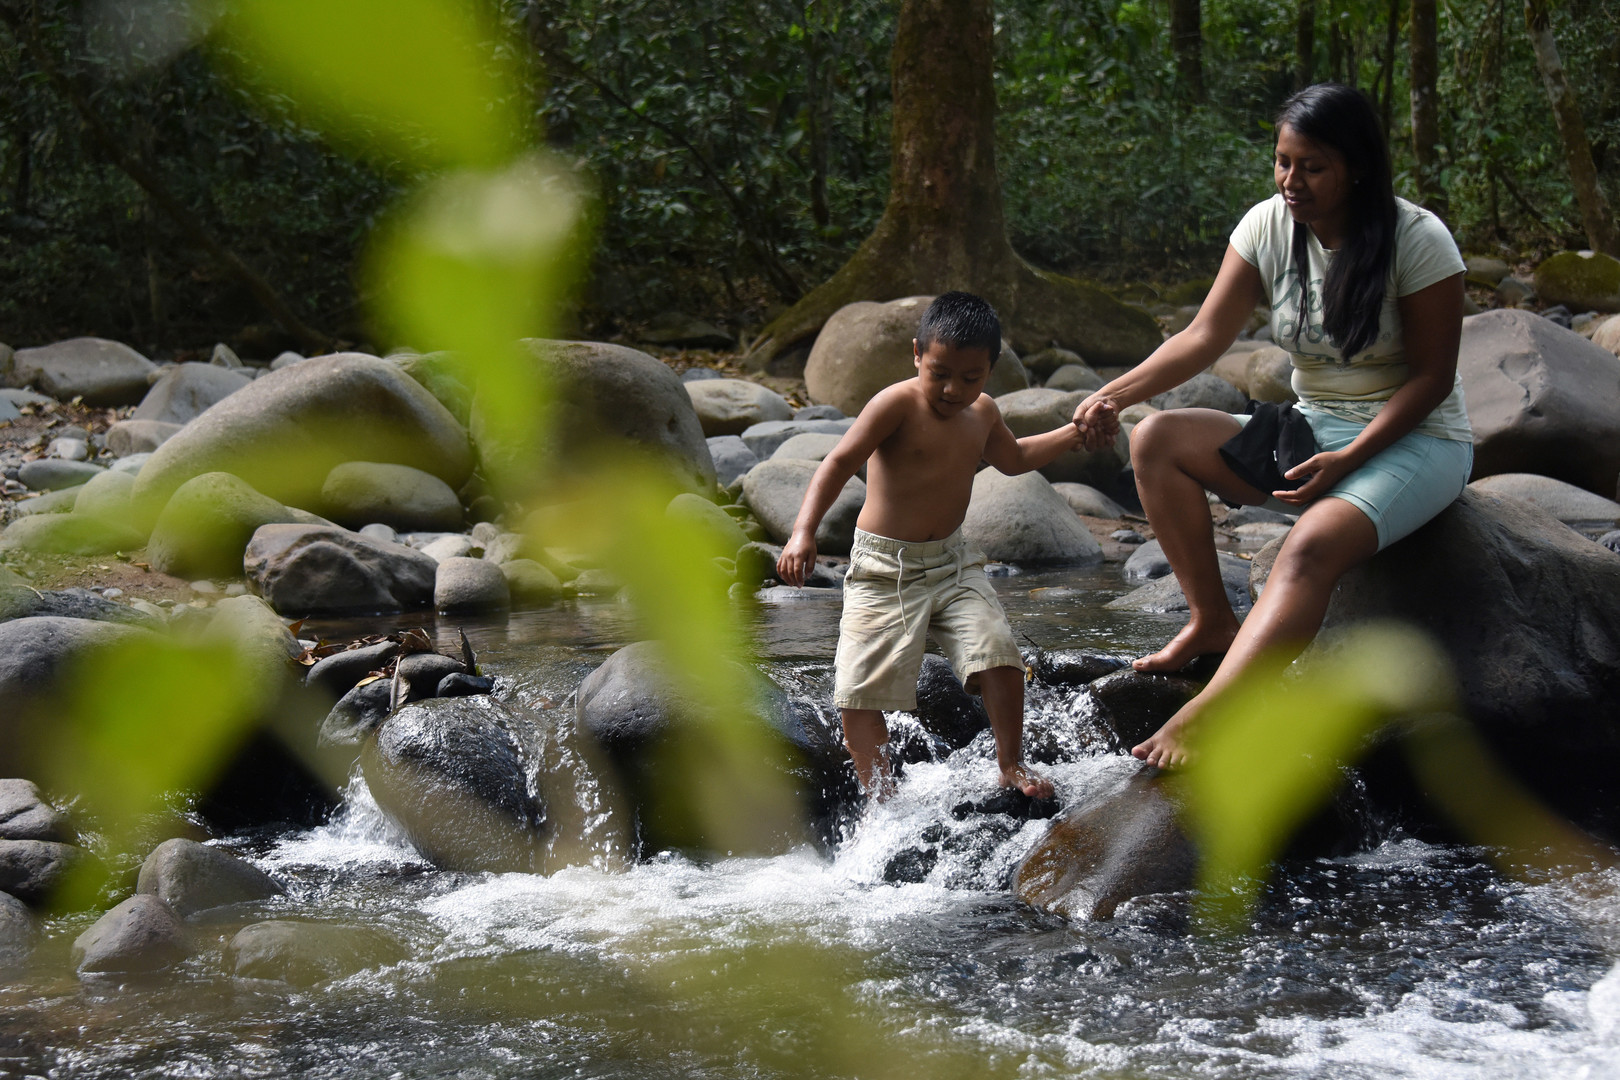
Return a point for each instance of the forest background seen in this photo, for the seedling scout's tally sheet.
(739, 150)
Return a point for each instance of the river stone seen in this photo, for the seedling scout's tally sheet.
(186, 391)
(1268, 375)
(1044, 363)
(608, 396)
(1541, 399)
(1486, 270)
(32, 652)
(31, 870)
(53, 502)
(1580, 280)
(17, 931)
(866, 346)
(131, 464)
(451, 772)
(1087, 500)
(1163, 594)
(358, 712)
(1203, 391)
(103, 373)
(106, 496)
(141, 934)
(1146, 563)
(1579, 509)
(287, 430)
(307, 953)
(128, 437)
(1607, 335)
(312, 569)
(1528, 611)
(192, 877)
(336, 675)
(53, 474)
(467, 585)
(530, 583)
(731, 406)
(207, 524)
(945, 710)
(724, 534)
(24, 602)
(1134, 704)
(69, 534)
(1101, 853)
(1020, 519)
(26, 815)
(357, 493)
(819, 412)
(809, 446)
(68, 448)
(731, 458)
(766, 438)
(774, 491)
(444, 376)
(1074, 377)
(1035, 412)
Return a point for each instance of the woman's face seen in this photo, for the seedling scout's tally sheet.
(1315, 182)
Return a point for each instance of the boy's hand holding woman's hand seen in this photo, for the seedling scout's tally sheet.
(1097, 417)
(797, 559)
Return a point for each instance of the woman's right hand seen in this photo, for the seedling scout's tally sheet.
(1097, 417)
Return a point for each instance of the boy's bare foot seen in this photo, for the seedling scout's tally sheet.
(1195, 640)
(1164, 747)
(1031, 784)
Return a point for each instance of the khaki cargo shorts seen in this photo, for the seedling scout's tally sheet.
(896, 594)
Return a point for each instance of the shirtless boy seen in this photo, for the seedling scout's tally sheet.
(910, 571)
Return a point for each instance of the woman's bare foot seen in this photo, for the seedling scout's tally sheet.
(1032, 784)
(1164, 747)
(1195, 639)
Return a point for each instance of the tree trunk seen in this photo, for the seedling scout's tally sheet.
(1305, 45)
(1187, 39)
(1595, 215)
(1392, 37)
(943, 226)
(1426, 106)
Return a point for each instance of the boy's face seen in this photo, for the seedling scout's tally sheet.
(951, 378)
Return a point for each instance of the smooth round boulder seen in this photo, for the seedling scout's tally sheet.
(1088, 501)
(54, 474)
(1268, 375)
(1020, 519)
(765, 439)
(1541, 399)
(1203, 391)
(34, 652)
(809, 446)
(69, 534)
(25, 814)
(192, 877)
(731, 458)
(31, 870)
(106, 496)
(530, 583)
(207, 524)
(1607, 335)
(1044, 363)
(731, 406)
(186, 391)
(141, 934)
(605, 397)
(128, 437)
(1072, 377)
(287, 430)
(468, 585)
(819, 412)
(314, 569)
(1576, 507)
(866, 346)
(1580, 280)
(102, 372)
(1035, 412)
(774, 490)
(358, 493)
(304, 953)
(723, 533)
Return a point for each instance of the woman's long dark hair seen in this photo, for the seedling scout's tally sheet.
(1341, 117)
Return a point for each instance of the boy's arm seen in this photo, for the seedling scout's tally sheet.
(1013, 456)
(877, 422)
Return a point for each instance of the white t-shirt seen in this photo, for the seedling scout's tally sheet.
(1358, 387)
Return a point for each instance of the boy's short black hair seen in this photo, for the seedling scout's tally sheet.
(962, 321)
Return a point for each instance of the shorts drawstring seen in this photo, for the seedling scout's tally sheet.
(899, 581)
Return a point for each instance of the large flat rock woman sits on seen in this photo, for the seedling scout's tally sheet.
(1366, 292)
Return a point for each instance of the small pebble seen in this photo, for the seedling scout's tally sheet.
(1127, 536)
(112, 593)
(69, 449)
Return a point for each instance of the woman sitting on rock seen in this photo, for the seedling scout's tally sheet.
(1366, 294)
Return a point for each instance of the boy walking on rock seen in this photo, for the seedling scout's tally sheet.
(910, 571)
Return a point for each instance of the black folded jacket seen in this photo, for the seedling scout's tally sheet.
(1275, 439)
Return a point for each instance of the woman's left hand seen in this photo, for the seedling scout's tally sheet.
(1324, 469)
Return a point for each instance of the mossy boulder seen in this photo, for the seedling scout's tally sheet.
(1580, 280)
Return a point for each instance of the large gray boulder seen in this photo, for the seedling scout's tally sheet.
(452, 772)
(106, 496)
(724, 534)
(1103, 852)
(100, 371)
(866, 346)
(731, 406)
(128, 437)
(1020, 519)
(141, 934)
(192, 877)
(731, 458)
(313, 569)
(606, 396)
(207, 524)
(774, 491)
(25, 814)
(31, 870)
(1541, 399)
(1576, 507)
(766, 438)
(34, 652)
(358, 493)
(468, 585)
(1205, 390)
(288, 429)
(1035, 412)
(304, 953)
(186, 391)
(1580, 280)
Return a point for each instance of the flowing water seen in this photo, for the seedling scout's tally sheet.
(1407, 960)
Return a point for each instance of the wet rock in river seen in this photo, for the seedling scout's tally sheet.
(337, 674)
(944, 708)
(358, 712)
(1163, 594)
(192, 877)
(1135, 704)
(308, 569)
(421, 673)
(1073, 667)
(31, 870)
(140, 934)
(1100, 854)
(17, 931)
(25, 814)
(306, 953)
(530, 583)
(470, 585)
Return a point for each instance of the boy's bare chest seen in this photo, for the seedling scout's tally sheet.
(934, 450)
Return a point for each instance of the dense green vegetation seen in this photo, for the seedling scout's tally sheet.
(739, 150)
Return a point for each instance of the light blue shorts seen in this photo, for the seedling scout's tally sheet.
(1402, 486)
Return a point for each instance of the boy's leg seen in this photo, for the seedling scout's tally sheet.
(867, 738)
(1002, 689)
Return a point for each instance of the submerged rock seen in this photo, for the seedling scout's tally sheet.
(17, 931)
(305, 953)
(192, 877)
(141, 934)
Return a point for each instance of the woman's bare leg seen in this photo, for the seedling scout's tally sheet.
(1176, 455)
(1332, 536)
